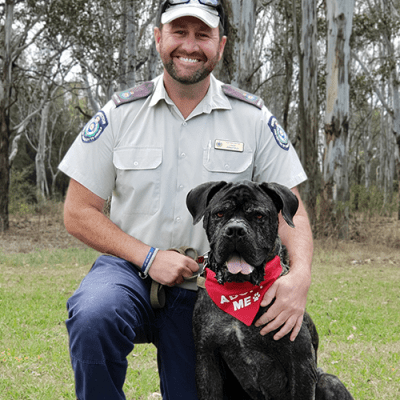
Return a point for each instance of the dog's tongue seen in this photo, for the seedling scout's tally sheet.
(236, 264)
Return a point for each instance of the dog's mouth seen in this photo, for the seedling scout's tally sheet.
(236, 264)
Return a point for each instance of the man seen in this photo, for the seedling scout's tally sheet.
(148, 147)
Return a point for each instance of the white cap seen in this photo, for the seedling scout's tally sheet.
(206, 14)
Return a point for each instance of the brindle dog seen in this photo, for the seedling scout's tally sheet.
(234, 361)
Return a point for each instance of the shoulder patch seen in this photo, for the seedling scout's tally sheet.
(280, 135)
(239, 94)
(136, 93)
(94, 128)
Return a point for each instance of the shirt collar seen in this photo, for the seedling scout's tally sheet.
(214, 99)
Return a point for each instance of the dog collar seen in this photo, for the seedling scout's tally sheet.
(242, 299)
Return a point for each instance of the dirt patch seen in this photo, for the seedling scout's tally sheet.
(46, 231)
(37, 232)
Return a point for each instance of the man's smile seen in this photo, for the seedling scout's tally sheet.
(189, 60)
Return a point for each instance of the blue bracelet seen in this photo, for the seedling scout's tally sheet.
(151, 255)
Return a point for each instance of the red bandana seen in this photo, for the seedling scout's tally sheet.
(242, 299)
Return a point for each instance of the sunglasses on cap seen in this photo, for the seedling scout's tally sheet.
(216, 4)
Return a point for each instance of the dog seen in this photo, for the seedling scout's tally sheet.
(233, 360)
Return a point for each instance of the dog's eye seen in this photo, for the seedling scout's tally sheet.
(259, 216)
(220, 214)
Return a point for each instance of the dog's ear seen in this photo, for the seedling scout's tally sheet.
(198, 198)
(284, 199)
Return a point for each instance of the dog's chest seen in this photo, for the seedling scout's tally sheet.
(213, 325)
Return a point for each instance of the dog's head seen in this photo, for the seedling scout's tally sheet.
(241, 223)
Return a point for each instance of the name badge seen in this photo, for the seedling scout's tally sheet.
(229, 146)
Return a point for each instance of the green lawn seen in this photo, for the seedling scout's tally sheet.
(354, 301)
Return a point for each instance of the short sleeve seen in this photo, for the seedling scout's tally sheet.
(276, 159)
(89, 160)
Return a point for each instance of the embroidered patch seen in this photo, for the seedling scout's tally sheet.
(136, 93)
(280, 135)
(94, 128)
(239, 94)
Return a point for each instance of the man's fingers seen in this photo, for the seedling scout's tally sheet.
(268, 317)
(269, 295)
(292, 324)
(170, 268)
(296, 329)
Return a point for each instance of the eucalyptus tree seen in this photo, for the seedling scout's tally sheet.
(19, 30)
(376, 53)
(337, 115)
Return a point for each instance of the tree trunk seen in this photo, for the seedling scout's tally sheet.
(237, 65)
(94, 105)
(122, 84)
(288, 76)
(398, 175)
(394, 78)
(340, 19)
(5, 100)
(131, 56)
(367, 141)
(41, 180)
(309, 106)
(152, 61)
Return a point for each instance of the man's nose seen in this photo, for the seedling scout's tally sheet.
(190, 43)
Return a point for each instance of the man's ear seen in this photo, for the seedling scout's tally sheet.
(199, 198)
(157, 37)
(222, 44)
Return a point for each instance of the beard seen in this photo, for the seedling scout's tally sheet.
(197, 76)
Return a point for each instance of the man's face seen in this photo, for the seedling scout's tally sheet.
(189, 49)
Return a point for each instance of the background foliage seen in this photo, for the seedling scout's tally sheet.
(71, 56)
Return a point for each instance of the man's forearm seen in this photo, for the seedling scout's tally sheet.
(84, 219)
(298, 241)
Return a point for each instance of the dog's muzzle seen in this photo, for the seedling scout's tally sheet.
(235, 229)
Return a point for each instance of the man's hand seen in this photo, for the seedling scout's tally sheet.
(290, 294)
(170, 268)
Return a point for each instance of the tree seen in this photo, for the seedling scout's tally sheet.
(237, 65)
(382, 21)
(306, 47)
(337, 115)
(13, 43)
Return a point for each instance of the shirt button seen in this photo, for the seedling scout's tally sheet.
(178, 219)
(226, 166)
(135, 163)
(181, 187)
(184, 123)
(183, 155)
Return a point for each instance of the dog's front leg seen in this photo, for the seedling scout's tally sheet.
(209, 380)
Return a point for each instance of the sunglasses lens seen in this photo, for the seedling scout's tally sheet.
(212, 3)
(176, 2)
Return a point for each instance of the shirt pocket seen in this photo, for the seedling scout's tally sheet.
(227, 165)
(138, 179)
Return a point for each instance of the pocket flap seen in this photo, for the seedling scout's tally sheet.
(137, 158)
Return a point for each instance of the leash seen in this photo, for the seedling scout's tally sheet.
(157, 292)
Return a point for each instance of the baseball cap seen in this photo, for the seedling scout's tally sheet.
(208, 11)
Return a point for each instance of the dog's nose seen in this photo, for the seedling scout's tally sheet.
(235, 229)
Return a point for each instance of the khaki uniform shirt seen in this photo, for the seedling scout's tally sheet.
(148, 157)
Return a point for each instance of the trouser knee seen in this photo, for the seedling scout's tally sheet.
(99, 327)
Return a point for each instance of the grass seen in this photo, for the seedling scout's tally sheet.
(354, 301)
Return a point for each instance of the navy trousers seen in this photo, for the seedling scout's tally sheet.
(109, 313)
